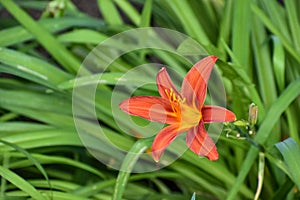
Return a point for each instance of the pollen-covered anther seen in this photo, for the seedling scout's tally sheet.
(175, 100)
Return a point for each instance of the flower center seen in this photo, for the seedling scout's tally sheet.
(175, 101)
(187, 115)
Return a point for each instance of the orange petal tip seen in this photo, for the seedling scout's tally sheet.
(214, 58)
(156, 156)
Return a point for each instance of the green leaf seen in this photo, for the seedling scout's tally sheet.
(146, 14)
(274, 29)
(283, 190)
(277, 108)
(85, 36)
(240, 81)
(110, 12)
(292, 10)
(189, 21)
(20, 183)
(241, 33)
(18, 34)
(291, 155)
(36, 139)
(278, 62)
(129, 161)
(45, 159)
(32, 68)
(55, 48)
(190, 47)
(129, 10)
(264, 72)
(30, 158)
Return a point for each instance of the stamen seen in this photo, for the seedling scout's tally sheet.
(175, 100)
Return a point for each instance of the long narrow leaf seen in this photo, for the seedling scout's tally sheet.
(20, 183)
(44, 37)
(291, 155)
(127, 166)
(277, 108)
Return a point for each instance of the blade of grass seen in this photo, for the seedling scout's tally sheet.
(241, 33)
(279, 69)
(129, 161)
(273, 28)
(109, 12)
(31, 158)
(190, 174)
(60, 185)
(240, 79)
(85, 36)
(5, 164)
(48, 117)
(277, 15)
(277, 108)
(57, 50)
(20, 183)
(53, 137)
(18, 34)
(214, 170)
(54, 103)
(20, 127)
(189, 21)
(291, 155)
(40, 5)
(283, 191)
(264, 70)
(45, 159)
(225, 28)
(278, 63)
(293, 19)
(23, 72)
(8, 117)
(146, 14)
(129, 10)
(111, 78)
(35, 67)
(292, 124)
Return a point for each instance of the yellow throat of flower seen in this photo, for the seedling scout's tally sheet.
(187, 115)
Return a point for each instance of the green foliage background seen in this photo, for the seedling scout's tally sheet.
(42, 157)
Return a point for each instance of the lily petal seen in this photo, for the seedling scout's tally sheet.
(217, 114)
(164, 83)
(152, 108)
(163, 139)
(195, 82)
(200, 143)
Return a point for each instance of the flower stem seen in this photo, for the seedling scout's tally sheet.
(261, 166)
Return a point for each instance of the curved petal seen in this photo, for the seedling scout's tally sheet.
(200, 143)
(153, 108)
(195, 82)
(217, 114)
(163, 139)
(164, 83)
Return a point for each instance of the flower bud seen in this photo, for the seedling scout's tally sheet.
(253, 112)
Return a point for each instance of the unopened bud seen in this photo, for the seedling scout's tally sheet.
(253, 112)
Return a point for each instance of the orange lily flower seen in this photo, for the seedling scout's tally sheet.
(184, 111)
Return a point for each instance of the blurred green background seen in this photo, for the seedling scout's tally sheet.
(42, 46)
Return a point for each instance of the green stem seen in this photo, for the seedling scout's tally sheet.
(128, 164)
(261, 166)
